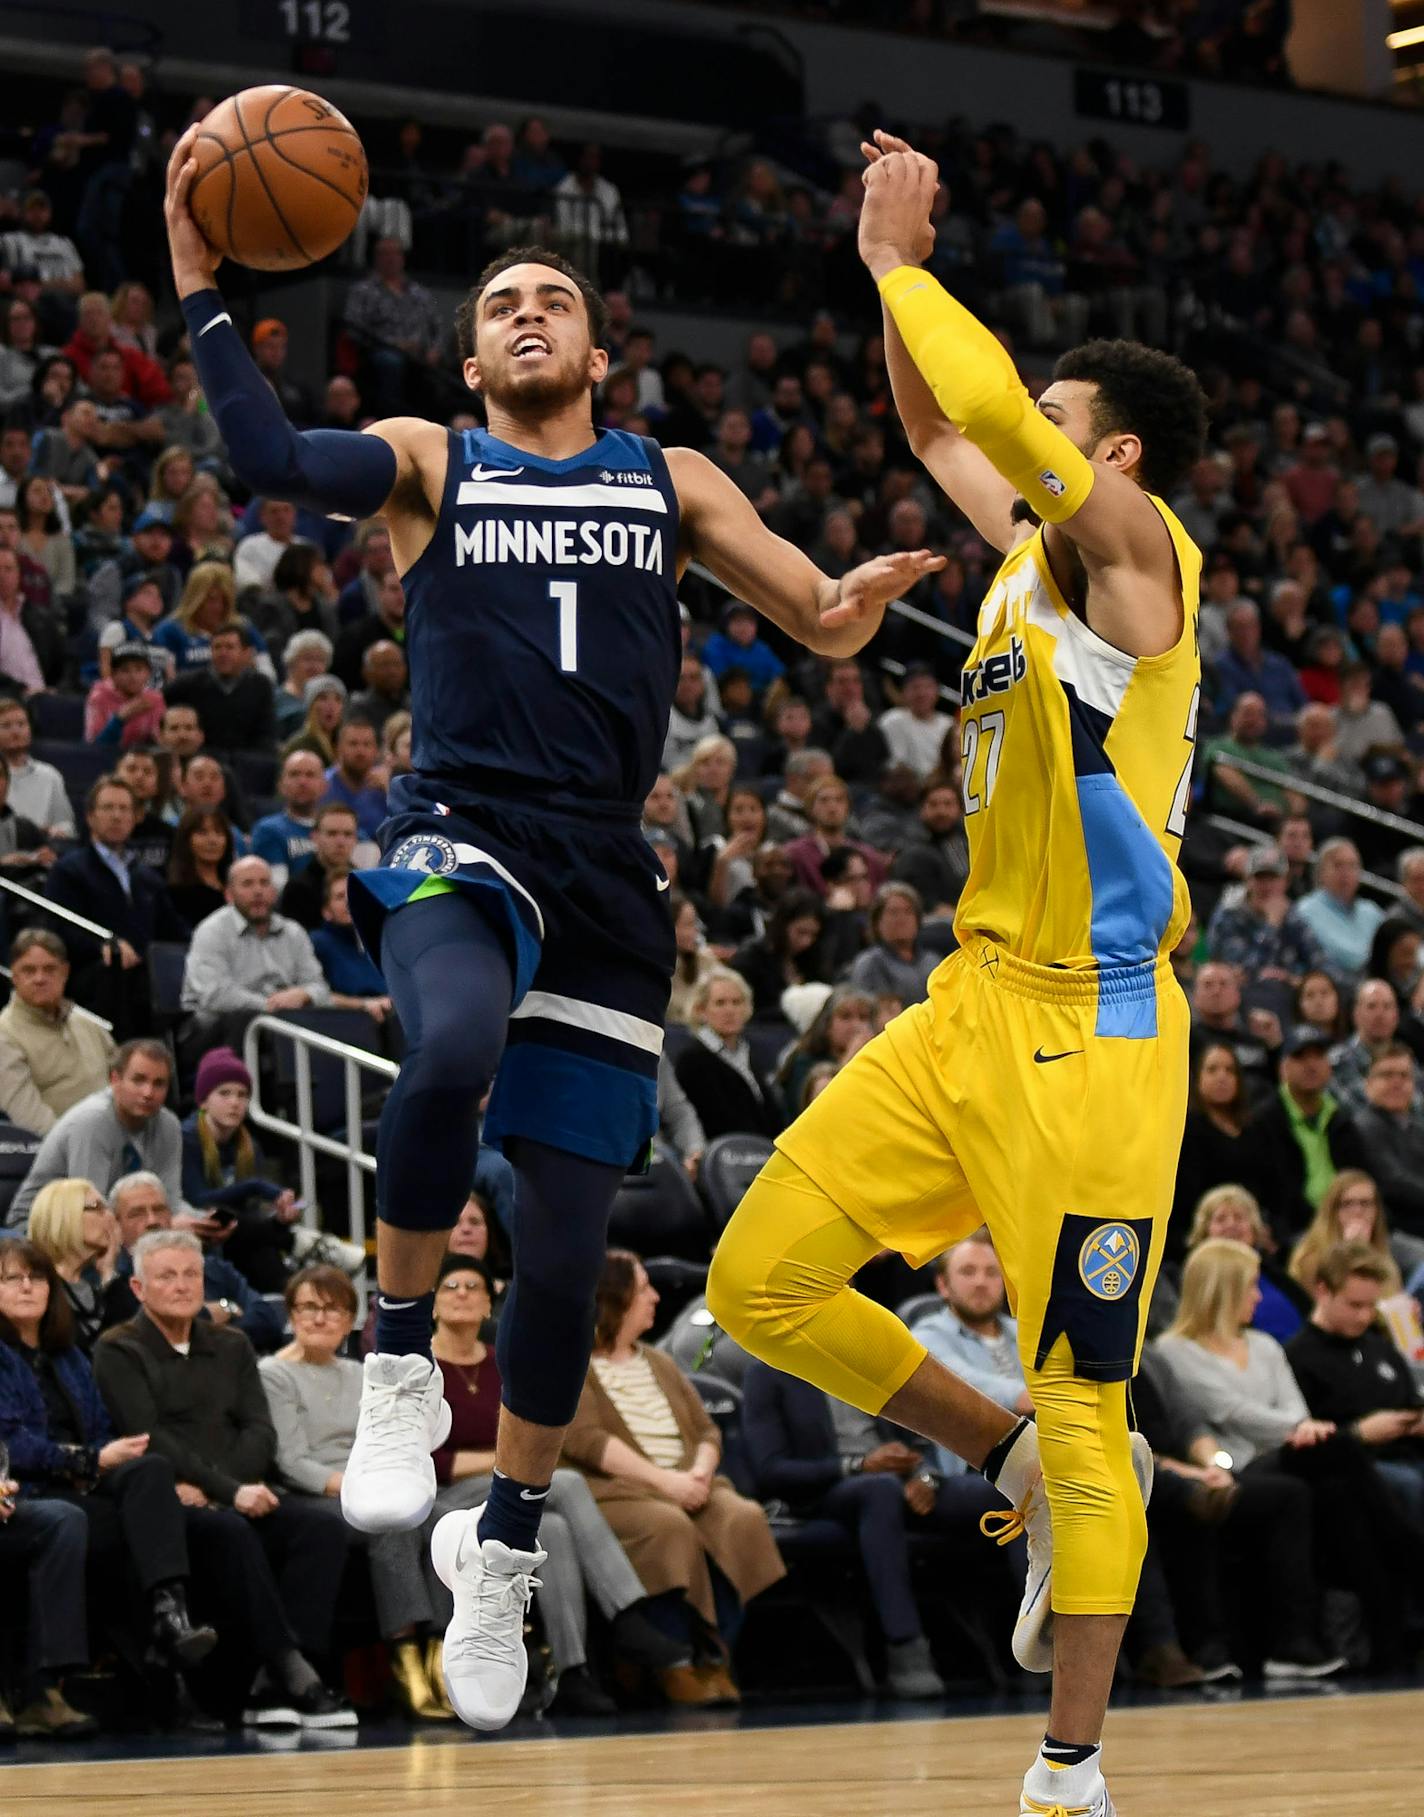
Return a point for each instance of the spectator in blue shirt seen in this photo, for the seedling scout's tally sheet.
(972, 1333)
(349, 969)
(1342, 921)
(348, 780)
(1247, 668)
(738, 645)
(284, 839)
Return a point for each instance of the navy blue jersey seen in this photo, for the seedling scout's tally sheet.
(542, 624)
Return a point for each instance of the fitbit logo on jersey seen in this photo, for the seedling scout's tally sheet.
(560, 542)
(997, 674)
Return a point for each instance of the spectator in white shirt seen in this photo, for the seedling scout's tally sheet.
(36, 789)
(257, 555)
(246, 961)
(588, 206)
(915, 730)
(53, 256)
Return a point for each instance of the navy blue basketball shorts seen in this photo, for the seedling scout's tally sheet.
(583, 901)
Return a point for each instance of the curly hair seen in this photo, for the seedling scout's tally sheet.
(1146, 393)
(530, 255)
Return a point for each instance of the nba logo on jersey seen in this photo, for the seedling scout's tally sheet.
(1108, 1261)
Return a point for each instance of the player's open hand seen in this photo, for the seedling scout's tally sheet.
(194, 260)
(865, 592)
(895, 219)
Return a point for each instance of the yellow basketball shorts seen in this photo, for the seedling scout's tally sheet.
(1004, 1100)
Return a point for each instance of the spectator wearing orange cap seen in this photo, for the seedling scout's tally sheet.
(269, 349)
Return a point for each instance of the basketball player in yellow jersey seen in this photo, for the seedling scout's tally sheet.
(1042, 1087)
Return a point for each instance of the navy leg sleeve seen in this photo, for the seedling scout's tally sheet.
(448, 972)
(545, 1335)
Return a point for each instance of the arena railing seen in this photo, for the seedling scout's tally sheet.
(1318, 791)
(309, 1140)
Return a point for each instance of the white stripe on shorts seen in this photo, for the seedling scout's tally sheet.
(616, 1024)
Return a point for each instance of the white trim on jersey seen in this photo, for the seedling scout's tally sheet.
(493, 496)
(1098, 674)
(471, 854)
(616, 1024)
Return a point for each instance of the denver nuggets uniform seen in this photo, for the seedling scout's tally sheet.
(1042, 1087)
(544, 641)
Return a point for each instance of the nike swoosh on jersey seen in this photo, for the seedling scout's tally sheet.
(1042, 1059)
(664, 883)
(480, 474)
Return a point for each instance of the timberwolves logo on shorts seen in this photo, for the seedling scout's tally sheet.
(426, 852)
(1109, 1259)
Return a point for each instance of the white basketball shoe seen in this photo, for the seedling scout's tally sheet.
(486, 1664)
(389, 1482)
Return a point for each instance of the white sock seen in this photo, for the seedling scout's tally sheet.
(1020, 1470)
(1066, 1785)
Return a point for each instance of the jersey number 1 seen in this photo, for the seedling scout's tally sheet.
(564, 594)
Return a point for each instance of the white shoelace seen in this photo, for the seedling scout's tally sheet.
(495, 1632)
(387, 1417)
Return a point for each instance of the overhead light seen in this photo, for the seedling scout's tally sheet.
(1403, 40)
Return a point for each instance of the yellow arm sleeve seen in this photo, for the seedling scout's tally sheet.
(977, 387)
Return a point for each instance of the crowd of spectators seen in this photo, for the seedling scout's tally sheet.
(203, 697)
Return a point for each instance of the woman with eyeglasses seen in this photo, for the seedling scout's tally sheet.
(71, 1222)
(62, 1448)
(584, 1559)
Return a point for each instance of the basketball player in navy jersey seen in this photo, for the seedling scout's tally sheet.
(518, 914)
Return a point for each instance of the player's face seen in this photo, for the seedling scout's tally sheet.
(1069, 403)
(533, 349)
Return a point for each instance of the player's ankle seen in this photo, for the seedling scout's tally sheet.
(404, 1324)
(1012, 1466)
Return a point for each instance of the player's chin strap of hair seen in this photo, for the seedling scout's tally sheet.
(977, 387)
(336, 471)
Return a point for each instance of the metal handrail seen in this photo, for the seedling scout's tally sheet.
(56, 908)
(1253, 835)
(311, 1141)
(1317, 791)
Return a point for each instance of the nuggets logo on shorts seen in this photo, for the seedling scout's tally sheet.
(426, 852)
(1109, 1260)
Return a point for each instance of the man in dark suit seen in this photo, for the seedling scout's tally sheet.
(829, 1461)
(193, 1387)
(234, 701)
(102, 882)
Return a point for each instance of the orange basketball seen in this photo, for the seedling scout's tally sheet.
(281, 178)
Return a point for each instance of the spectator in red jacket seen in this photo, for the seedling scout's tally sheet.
(144, 379)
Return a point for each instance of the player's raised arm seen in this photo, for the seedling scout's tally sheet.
(966, 475)
(333, 470)
(722, 530)
(976, 386)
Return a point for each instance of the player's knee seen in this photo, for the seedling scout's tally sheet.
(1084, 1448)
(456, 1056)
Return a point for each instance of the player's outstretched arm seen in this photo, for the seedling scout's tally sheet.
(975, 385)
(336, 471)
(722, 530)
(983, 495)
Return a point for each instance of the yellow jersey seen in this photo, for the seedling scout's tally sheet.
(1077, 769)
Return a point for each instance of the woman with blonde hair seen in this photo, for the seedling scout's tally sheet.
(1349, 1212)
(1233, 1387)
(71, 1222)
(208, 599)
(706, 781)
(172, 477)
(726, 1089)
(1233, 1214)
(202, 523)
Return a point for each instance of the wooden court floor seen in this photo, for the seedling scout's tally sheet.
(1346, 1755)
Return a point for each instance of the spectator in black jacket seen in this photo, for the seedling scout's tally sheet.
(1219, 1146)
(1352, 1375)
(791, 951)
(1217, 1020)
(387, 621)
(829, 1461)
(334, 837)
(193, 1387)
(1391, 1130)
(845, 725)
(1304, 1137)
(102, 882)
(934, 858)
(233, 700)
(729, 1094)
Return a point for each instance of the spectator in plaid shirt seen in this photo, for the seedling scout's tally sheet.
(1263, 934)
